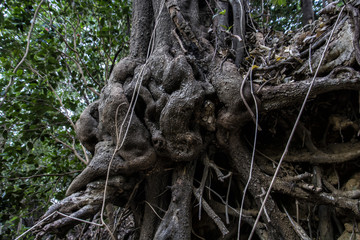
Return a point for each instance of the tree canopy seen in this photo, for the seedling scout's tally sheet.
(72, 49)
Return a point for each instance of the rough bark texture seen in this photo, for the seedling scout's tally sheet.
(307, 10)
(177, 117)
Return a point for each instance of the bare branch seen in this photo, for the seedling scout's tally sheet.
(278, 97)
(211, 213)
(72, 148)
(298, 229)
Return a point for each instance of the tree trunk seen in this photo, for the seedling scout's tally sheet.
(174, 123)
(307, 11)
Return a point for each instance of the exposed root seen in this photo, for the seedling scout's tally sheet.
(350, 152)
(182, 107)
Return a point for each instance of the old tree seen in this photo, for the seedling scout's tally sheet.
(190, 129)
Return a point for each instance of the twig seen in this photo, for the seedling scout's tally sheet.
(62, 105)
(310, 187)
(224, 202)
(202, 183)
(74, 49)
(253, 151)
(299, 177)
(321, 158)
(294, 128)
(86, 156)
(211, 213)
(221, 177)
(212, 12)
(65, 113)
(242, 94)
(354, 194)
(262, 154)
(113, 61)
(153, 210)
(298, 229)
(78, 219)
(261, 200)
(76, 61)
(181, 24)
(25, 55)
(243, 97)
(72, 148)
(310, 67)
(297, 211)
(309, 222)
(193, 232)
(227, 201)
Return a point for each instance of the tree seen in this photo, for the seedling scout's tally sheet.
(307, 10)
(176, 129)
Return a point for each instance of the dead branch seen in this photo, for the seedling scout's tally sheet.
(322, 158)
(278, 97)
(217, 220)
(353, 194)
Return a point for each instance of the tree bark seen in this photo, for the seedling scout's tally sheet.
(307, 11)
(172, 125)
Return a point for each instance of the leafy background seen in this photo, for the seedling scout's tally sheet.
(73, 46)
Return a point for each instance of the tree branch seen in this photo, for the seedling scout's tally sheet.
(289, 94)
(211, 213)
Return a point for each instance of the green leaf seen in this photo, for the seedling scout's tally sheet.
(14, 218)
(279, 2)
(222, 12)
(19, 72)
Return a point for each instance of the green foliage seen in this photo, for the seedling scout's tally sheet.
(278, 2)
(280, 15)
(72, 48)
(217, 13)
(277, 14)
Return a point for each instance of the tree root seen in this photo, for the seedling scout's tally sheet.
(278, 97)
(82, 205)
(176, 223)
(347, 204)
(322, 158)
(240, 157)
